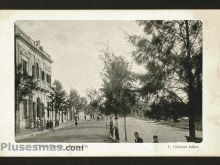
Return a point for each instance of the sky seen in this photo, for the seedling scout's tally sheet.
(75, 47)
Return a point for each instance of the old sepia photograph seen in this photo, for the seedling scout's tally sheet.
(108, 81)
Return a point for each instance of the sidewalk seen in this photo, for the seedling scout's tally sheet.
(33, 132)
(92, 131)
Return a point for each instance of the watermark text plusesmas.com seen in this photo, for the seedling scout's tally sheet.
(41, 147)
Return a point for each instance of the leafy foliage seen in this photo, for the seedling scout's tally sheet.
(171, 52)
(163, 52)
(96, 99)
(57, 96)
(117, 80)
(24, 83)
(165, 110)
(75, 101)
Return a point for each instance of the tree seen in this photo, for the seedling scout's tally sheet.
(51, 97)
(65, 109)
(57, 97)
(73, 100)
(76, 102)
(96, 99)
(171, 51)
(117, 79)
(24, 86)
(166, 110)
(83, 103)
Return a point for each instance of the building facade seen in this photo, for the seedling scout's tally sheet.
(35, 61)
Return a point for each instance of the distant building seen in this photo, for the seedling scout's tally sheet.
(31, 55)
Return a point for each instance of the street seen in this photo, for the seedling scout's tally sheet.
(94, 131)
(147, 129)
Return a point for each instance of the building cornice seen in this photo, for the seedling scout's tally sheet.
(27, 39)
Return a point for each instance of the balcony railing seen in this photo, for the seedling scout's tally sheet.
(43, 84)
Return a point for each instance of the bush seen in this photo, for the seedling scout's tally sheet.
(165, 110)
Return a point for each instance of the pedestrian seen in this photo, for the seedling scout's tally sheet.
(43, 122)
(116, 129)
(155, 138)
(47, 124)
(51, 125)
(38, 124)
(111, 127)
(138, 139)
(56, 123)
(76, 122)
(85, 117)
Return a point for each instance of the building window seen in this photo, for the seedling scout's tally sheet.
(25, 109)
(48, 78)
(37, 71)
(24, 65)
(42, 75)
(33, 71)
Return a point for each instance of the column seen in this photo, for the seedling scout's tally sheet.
(30, 117)
(34, 114)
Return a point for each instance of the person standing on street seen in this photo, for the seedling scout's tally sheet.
(52, 124)
(111, 127)
(76, 122)
(116, 129)
(42, 124)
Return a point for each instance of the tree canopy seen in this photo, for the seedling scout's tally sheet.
(117, 80)
(57, 96)
(24, 83)
(171, 52)
(75, 101)
(95, 100)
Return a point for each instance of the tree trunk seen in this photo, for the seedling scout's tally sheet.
(62, 116)
(125, 128)
(52, 115)
(192, 133)
(52, 111)
(67, 116)
(56, 114)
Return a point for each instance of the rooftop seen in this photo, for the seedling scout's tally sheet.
(34, 43)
